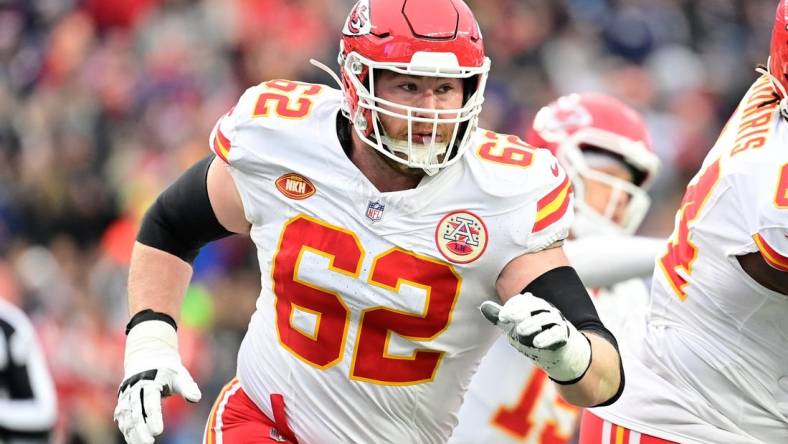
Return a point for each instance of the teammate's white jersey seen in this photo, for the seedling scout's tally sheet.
(368, 320)
(714, 363)
(530, 410)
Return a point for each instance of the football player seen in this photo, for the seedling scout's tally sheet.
(605, 148)
(384, 219)
(712, 367)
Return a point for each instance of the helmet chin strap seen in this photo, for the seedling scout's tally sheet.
(779, 86)
(322, 66)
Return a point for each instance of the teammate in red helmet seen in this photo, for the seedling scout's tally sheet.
(711, 368)
(605, 148)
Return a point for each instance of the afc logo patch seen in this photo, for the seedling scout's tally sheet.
(461, 237)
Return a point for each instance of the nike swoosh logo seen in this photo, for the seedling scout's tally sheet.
(554, 169)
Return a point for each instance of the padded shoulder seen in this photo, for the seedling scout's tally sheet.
(505, 165)
(269, 112)
(529, 180)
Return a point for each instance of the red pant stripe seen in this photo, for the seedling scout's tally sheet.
(236, 419)
(214, 419)
(595, 430)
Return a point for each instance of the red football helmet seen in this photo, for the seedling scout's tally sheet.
(592, 130)
(437, 38)
(778, 56)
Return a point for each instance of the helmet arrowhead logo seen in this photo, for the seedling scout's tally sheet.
(358, 21)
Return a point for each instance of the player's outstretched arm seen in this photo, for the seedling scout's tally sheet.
(201, 206)
(625, 257)
(549, 317)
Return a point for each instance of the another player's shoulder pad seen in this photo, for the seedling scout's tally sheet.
(506, 166)
(274, 106)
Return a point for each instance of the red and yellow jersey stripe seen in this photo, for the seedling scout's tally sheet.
(770, 255)
(553, 206)
(220, 143)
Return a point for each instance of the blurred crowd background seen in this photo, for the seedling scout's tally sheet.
(104, 102)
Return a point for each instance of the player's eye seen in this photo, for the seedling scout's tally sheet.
(409, 86)
(443, 89)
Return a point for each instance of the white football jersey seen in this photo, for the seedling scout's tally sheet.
(367, 322)
(713, 365)
(530, 410)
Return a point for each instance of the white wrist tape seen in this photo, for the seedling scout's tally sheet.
(151, 344)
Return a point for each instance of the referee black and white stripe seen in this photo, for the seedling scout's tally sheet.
(28, 404)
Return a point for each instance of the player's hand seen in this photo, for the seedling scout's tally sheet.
(538, 330)
(153, 370)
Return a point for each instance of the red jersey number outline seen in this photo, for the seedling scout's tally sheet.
(510, 151)
(290, 100)
(325, 347)
(781, 195)
(681, 253)
(517, 421)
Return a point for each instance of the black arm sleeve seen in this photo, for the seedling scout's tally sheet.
(182, 220)
(563, 288)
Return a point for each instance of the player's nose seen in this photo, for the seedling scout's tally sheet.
(621, 208)
(428, 100)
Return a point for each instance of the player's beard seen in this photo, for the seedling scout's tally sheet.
(421, 134)
(401, 167)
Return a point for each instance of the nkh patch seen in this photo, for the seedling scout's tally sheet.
(295, 186)
(375, 211)
(461, 237)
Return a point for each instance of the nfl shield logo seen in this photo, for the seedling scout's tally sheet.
(375, 211)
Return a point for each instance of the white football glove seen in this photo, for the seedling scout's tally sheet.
(538, 330)
(153, 370)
